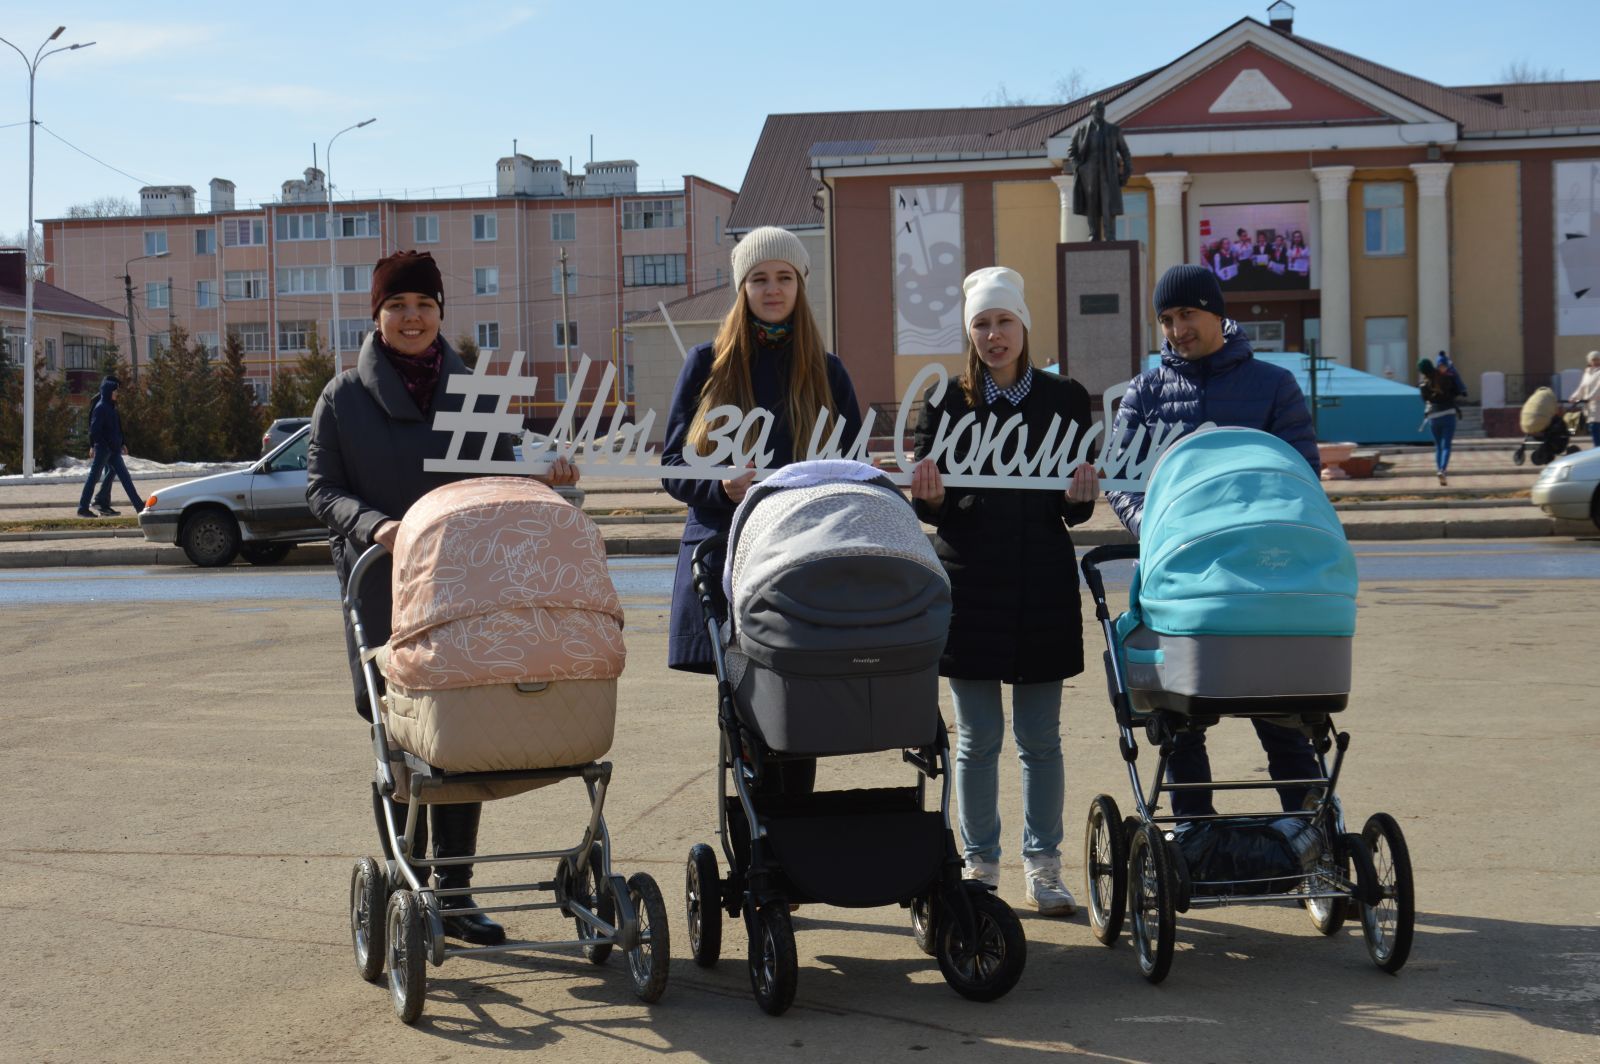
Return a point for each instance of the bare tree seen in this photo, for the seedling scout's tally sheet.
(1523, 72)
(1067, 88)
(104, 207)
(18, 239)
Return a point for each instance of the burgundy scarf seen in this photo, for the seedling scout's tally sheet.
(419, 373)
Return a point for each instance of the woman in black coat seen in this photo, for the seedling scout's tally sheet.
(371, 432)
(1013, 577)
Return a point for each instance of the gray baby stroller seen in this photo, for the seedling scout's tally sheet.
(472, 700)
(839, 613)
(1242, 606)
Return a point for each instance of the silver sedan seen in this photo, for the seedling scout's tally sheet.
(1569, 487)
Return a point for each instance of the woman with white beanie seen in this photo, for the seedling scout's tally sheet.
(1014, 585)
(767, 354)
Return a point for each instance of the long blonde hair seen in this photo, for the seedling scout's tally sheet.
(729, 382)
(973, 373)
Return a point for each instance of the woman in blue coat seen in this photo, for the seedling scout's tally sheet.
(767, 354)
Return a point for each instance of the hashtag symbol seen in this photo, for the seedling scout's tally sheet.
(491, 423)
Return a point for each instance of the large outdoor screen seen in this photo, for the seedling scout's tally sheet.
(1257, 247)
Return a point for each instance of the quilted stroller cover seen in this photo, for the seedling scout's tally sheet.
(506, 641)
(1246, 585)
(839, 610)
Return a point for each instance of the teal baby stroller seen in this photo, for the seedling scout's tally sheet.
(1242, 605)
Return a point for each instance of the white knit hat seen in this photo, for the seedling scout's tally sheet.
(768, 242)
(994, 288)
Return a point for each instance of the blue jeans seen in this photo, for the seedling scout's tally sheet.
(1289, 757)
(1444, 431)
(1036, 727)
(1594, 432)
(108, 461)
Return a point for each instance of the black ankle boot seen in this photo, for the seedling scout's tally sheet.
(455, 834)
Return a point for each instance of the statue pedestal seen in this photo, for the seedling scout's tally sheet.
(1098, 310)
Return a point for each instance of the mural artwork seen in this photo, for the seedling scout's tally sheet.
(1578, 248)
(929, 266)
(1257, 247)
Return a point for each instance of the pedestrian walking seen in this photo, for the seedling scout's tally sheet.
(107, 448)
(1015, 619)
(1209, 373)
(1440, 399)
(1588, 394)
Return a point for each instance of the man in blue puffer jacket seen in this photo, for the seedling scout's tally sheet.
(1209, 373)
(105, 439)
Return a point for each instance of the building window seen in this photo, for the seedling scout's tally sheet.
(244, 284)
(486, 281)
(560, 382)
(652, 214)
(355, 278)
(298, 280)
(262, 387)
(205, 241)
(252, 336)
(1388, 349)
(555, 280)
(243, 232)
(425, 228)
(207, 341)
(488, 335)
(10, 346)
(302, 226)
(205, 294)
(567, 336)
(364, 224)
(640, 270)
(563, 225)
(155, 243)
(83, 352)
(1134, 221)
(485, 227)
(353, 333)
(50, 352)
(716, 228)
(295, 335)
(154, 345)
(1384, 209)
(157, 295)
(719, 278)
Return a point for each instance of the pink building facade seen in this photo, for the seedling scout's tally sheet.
(263, 273)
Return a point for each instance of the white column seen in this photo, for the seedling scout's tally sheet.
(1169, 187)
(1333, 187)
(1074, 227)
(1433, 259)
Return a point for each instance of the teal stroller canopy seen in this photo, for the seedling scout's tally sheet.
(1239, 538)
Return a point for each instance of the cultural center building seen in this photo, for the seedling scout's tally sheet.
(1350, 209)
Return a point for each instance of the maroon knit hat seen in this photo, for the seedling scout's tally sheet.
(406, 271)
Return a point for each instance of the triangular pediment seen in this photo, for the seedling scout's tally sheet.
(1248, 87)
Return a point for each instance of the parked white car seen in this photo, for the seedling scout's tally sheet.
(1569, 487)
(259, 512)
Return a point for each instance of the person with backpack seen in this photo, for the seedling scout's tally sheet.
(1440, 397)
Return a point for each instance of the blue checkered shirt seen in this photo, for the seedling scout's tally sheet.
(1014, 394)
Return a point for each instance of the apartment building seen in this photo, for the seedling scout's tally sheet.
(271, 273)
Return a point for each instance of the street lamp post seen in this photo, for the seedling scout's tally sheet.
(39, 56)
(333, 252)
(127, 287)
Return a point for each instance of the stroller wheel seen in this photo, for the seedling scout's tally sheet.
(774, 969)
(408, 981)
(649, 960)
(1150, 903)
(990, 966)
(1388, 924)
(702, 895)
(1517, 456)
(1105, 868)
(591, 891)
(369, 897)
(923, 926)
(1328, 914)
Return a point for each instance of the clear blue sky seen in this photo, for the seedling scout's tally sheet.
(180, 93)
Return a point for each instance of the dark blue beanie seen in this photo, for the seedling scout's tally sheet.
(1189, 286)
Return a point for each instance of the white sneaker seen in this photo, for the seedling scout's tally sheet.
(1045, 890)
(985, 872)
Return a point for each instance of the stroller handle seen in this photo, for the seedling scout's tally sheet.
(706, 582)
(1110, 552)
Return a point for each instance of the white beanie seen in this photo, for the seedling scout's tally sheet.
(994, 288)
(766, 243)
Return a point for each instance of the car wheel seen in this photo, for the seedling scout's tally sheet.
(210, 537)
(265, 553)
(1594, 508)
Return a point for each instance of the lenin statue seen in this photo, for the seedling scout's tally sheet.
(1102, 164)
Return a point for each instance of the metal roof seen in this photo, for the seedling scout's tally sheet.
(711, 305)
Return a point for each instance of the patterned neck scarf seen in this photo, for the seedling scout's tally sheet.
(419, 373)
(768, 335)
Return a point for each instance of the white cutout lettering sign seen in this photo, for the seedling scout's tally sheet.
(616, 447)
